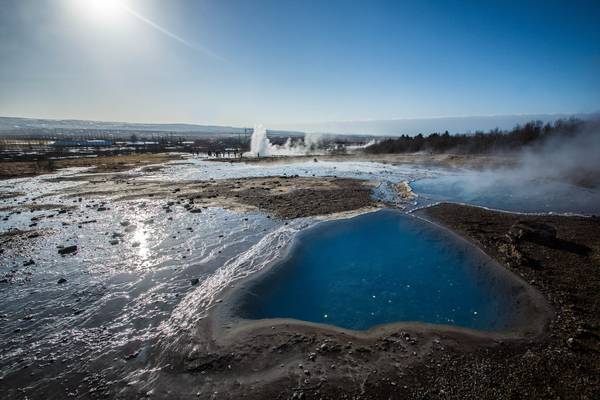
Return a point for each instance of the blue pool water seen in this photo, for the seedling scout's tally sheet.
(379, 268)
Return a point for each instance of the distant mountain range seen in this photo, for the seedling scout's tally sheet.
(413, 126)
(14, 124)
(17, 125)
(392, 127)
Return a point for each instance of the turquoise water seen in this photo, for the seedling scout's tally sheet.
(378, 268)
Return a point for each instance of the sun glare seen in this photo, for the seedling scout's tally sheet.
(105, 10)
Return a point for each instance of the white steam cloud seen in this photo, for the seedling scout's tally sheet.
(575, 159)
(261, 146)
(562, 174)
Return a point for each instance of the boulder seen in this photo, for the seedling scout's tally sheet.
(536, 232)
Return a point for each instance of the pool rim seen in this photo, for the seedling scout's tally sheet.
(225, 325)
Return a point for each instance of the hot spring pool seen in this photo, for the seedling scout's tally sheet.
(380, 268)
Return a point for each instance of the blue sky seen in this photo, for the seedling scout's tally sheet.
(287, 62)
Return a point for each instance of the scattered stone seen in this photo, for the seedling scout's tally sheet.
(28, 263)
(67, 250)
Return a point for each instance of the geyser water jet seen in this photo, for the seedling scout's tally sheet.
(261, 146)
(259, 142)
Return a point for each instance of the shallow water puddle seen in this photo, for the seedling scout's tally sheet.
(379, 268)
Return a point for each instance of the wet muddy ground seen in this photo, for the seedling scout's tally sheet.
(107, 282)
(284, 197)
(285, 359)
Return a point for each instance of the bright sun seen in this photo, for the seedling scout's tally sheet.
(104, 9)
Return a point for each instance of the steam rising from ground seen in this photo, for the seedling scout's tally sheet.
(361, 146)
(575, 159)
(261, 146)
(561, 174)
(572, 158)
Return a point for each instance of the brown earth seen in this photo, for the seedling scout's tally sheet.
(284, 197)
(20, 169)
(566, 269)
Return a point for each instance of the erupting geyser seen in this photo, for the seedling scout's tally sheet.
(261, 146)
(259, 143)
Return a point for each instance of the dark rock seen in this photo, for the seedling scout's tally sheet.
(28, 263)
(536, 232)
(194, 281)
(545, 235)
(61, 281)
(68, 250)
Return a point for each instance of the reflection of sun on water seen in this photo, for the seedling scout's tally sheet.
(140, 242)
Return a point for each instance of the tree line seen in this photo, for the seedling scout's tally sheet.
(531, 133)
